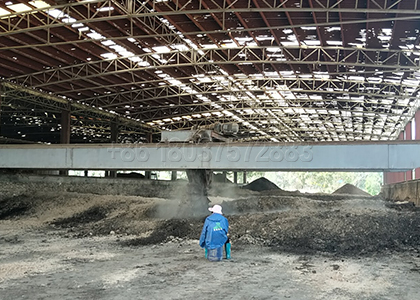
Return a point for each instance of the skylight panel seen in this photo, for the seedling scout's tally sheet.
(205, 79)
(68, 20)
(39, 4)
(288, 44)
(274, 49)
(322, 76)
(180, 47)
(20, 7)
(244, 40)
(95, 36)
(335, 43)
(393, 81)
(108, 43)
(384, 38)
(174, 82)
(55, 13)
(305, 75)
(411, 82)
(240, 75)
(109, 55)
(330, 29)
(287, 73)
(126, 53)
(229, 45)
(315, 97)
(106, 8)
(357, 45)
(374, 79)
(117, 48)
(356, 78)
(227, 113)
(264, 38)
(161, 49)
(4, 12)
(82, 29)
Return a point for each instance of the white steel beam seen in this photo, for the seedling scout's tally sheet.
(363, 156)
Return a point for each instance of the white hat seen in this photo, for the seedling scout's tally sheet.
(216, 209)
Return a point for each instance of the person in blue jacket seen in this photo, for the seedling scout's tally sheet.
(215, 230)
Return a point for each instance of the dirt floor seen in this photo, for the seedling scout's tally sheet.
(285, 245)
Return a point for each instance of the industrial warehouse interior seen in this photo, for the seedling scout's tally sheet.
(123, 121)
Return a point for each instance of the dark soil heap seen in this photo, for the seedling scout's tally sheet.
(14, 207)
(261, 184)
(351, 189)
(340, 225)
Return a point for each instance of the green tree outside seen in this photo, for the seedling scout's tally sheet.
(322, 182)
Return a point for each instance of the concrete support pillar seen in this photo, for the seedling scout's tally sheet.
(394, 177)
(114, 139)
(409, 174)
(149, 138)
(235, 177)
(417, 137)
(244, 177)
(174, 175)
(65, 132)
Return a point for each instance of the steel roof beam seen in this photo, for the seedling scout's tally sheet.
(219, 56)
(54, 102)
(300, 85)
(10, 23)
(159, 114)
(174, 36)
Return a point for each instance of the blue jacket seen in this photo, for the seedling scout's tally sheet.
(214, 233)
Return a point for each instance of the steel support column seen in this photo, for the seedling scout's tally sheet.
(65, 132)
(65, 127)
(1, 96)
(174, 175)
(114, 139)
(235, 177)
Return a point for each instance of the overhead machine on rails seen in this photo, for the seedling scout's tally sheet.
(200, 179)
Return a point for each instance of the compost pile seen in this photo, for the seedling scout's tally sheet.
(352, 225)
(261, 184)
(351, 189)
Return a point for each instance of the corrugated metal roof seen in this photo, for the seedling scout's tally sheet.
(313, 70)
